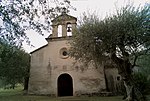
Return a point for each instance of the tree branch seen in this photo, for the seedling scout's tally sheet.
(134, 62)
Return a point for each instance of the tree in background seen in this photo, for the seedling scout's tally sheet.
(17, 16)
(122, 37)
(143, 64)
(14, 64)
(142, 73)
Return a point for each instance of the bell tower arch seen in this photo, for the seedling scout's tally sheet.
(67, 23)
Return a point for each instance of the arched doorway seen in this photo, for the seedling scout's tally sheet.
(65, 85)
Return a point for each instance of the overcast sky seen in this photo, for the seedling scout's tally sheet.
(101, 7)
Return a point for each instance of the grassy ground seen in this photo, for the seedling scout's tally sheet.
(17, 95)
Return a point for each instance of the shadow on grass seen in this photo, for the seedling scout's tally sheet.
(18, 95)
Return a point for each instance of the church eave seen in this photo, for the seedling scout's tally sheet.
(58, 38)
(39, 48)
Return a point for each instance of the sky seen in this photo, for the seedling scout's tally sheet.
(100, 7)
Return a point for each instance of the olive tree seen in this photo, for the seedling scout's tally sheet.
(122, 37)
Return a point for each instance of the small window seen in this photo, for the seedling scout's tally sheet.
(118, 78)
(64, 53)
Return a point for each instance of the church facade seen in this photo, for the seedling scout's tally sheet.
(53, 72)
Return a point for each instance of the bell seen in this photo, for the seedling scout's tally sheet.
(69, 29)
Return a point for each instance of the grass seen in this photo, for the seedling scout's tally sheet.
(17, 95)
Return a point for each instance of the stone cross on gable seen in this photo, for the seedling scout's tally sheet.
(64, 10)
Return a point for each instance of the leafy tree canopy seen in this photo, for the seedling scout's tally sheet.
(14, 64)
(143, 64)
(125, 33)
(121, 37)
(17, 16)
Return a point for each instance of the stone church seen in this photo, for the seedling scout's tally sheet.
(53, 72)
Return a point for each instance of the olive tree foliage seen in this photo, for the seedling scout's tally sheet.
(17, 16)
(127, 31)
(142, 73)
(144, 64)
(122, 37)
(14, 64)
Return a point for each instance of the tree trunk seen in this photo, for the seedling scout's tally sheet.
(26, 80)
(125, 70)
(133, 93)
(129, 91)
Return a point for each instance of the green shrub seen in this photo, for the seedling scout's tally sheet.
(142, 81)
